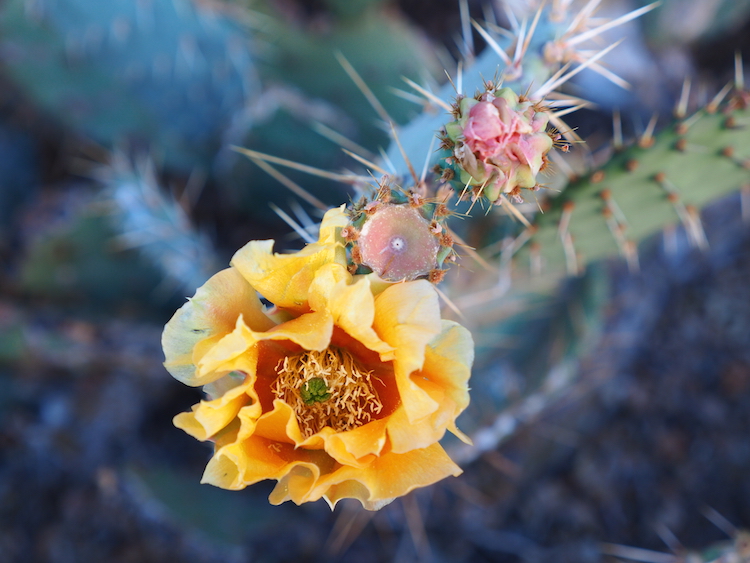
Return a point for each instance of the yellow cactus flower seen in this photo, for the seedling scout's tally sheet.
(341, 389)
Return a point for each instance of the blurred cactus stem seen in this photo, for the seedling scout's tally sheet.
(152, 222)
(168, 75)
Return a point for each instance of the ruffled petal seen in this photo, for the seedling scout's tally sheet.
(311, 331)
(405, 435)
(447, 365)
(245, 462)
(444, 377)
(210, 417)
(407, 316)
(280, 425)
(206, 318)
(217, 357)
(355, 447)
(352, 306)
(284, 279)
(389, 476)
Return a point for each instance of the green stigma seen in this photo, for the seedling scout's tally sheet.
(314, 391)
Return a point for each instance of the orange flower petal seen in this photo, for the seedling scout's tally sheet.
(447, 365)
(295, 485)
(312, 331)
(280, 424)
(405, 436)
(225, 354)
(209, 316)
(245, 462)
(444, 378)
(305, 476)
(355, 447)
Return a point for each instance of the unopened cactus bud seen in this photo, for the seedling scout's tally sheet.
(499, 143)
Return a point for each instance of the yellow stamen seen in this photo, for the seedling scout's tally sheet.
(348, 401)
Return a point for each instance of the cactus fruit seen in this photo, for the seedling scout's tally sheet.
(399, 236)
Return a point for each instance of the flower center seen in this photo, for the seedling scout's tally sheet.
(397, 244)
(326, 388)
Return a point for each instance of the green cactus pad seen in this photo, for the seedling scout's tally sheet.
(655, 183)
(169, 74)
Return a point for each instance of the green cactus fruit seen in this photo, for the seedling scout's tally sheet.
(499, 144)
(167, 74)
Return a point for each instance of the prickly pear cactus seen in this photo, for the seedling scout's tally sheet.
(379, 45)
(660, 180)
(497, 144)
(657, 182)
(167, 74)
(150, 221)
(72, 260)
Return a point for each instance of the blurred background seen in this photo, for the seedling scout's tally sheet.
(120, 195)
